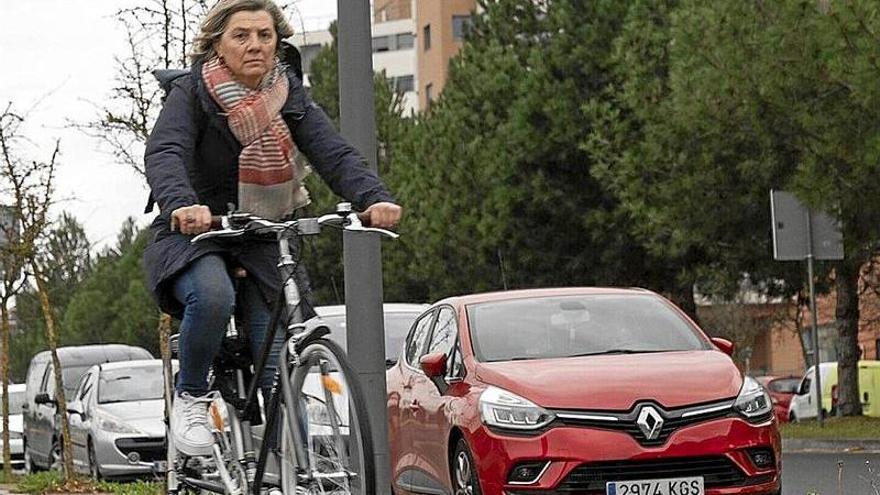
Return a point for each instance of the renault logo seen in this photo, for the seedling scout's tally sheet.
(650, 422)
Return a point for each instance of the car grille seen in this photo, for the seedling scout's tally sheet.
(591, 478)
(673, 420)
(150, 449)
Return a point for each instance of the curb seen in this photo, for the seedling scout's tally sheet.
(794, 445)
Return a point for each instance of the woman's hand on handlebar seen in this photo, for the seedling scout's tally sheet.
(194, 219)
(383, 215)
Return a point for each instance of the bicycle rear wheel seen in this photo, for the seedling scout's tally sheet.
(333, 424)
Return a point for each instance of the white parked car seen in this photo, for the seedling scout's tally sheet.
(16, 425)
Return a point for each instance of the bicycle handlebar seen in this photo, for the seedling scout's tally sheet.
(238, 224)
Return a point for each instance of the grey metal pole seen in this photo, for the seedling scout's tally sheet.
(362, 254)
(815, 330)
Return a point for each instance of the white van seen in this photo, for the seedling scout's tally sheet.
(803, 404)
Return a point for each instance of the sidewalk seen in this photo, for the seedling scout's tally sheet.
(795, 445)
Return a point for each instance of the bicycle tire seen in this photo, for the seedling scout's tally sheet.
(320, 446)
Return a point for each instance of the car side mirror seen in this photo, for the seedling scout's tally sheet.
(434, 364)
(723, 345)
(76, 407)
(43, 398)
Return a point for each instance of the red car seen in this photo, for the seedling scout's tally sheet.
(575, 391)
(781, 390)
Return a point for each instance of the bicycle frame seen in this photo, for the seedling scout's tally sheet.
(299, 334)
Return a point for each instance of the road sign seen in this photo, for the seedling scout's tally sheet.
(799, 232)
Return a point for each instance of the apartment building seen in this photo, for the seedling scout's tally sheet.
(413, 41)
(441, 27)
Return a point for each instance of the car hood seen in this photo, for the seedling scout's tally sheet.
(617, 382)
(146, 415)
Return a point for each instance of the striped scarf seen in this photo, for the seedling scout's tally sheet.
(269, 179)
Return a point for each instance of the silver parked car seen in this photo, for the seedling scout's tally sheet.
(117, 420)
(399, 317)
(42, 426)
(16, 425)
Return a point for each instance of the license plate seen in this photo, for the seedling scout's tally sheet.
(672, 486)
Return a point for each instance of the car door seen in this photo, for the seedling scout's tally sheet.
(400, 401)
(78, 423)
(430, 403)
(40, 442)
(803, 402)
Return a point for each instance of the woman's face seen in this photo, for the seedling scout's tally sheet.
(248, 46)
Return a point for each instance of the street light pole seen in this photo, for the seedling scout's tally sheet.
(815, 330)
(362, 254)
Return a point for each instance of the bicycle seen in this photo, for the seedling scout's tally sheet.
(325, 439)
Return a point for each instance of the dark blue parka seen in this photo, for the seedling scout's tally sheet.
(192, 158)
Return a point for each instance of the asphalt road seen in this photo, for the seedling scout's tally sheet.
(818, 473)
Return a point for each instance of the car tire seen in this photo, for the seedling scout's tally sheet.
(792, 417)
(29, 466)
(464, 473)
(56, 456)
(94, 468)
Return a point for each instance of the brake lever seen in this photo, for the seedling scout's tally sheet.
(355, 225)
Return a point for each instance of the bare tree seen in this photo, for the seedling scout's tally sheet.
(158, 34)
(28, 185)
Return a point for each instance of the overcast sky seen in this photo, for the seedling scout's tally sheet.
(56, 59)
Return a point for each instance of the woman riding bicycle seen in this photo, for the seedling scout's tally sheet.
(227, 135)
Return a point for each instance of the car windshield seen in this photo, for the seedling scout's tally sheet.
(16, 400)
(785, 385)
(582, 325)
(124, 385)
(397, 325)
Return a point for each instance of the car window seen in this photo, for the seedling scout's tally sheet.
(456, 365)
(35, 377)
(445, 331)
(78, 392)
(397, 325)
(47, 385)
(132, 384)
(804, 387)
(70, 376)
(565, 326)
(785, 385)
(415, 342)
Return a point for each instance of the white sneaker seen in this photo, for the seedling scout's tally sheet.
(189, 424)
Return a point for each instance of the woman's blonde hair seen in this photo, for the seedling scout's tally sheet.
(217, 19)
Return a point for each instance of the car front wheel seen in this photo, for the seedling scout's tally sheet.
(464, 472)
(94, 469)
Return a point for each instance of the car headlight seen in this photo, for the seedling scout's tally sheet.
(504, 409)
(114, 425)
(753, 401)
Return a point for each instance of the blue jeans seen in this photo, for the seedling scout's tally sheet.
(207, 291)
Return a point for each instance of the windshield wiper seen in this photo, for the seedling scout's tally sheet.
(618, 351)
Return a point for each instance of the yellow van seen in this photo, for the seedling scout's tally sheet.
(803, 403)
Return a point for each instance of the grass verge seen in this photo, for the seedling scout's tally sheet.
(858, 428)
(52, 482)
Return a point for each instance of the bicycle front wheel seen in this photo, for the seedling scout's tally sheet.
(336, 440)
